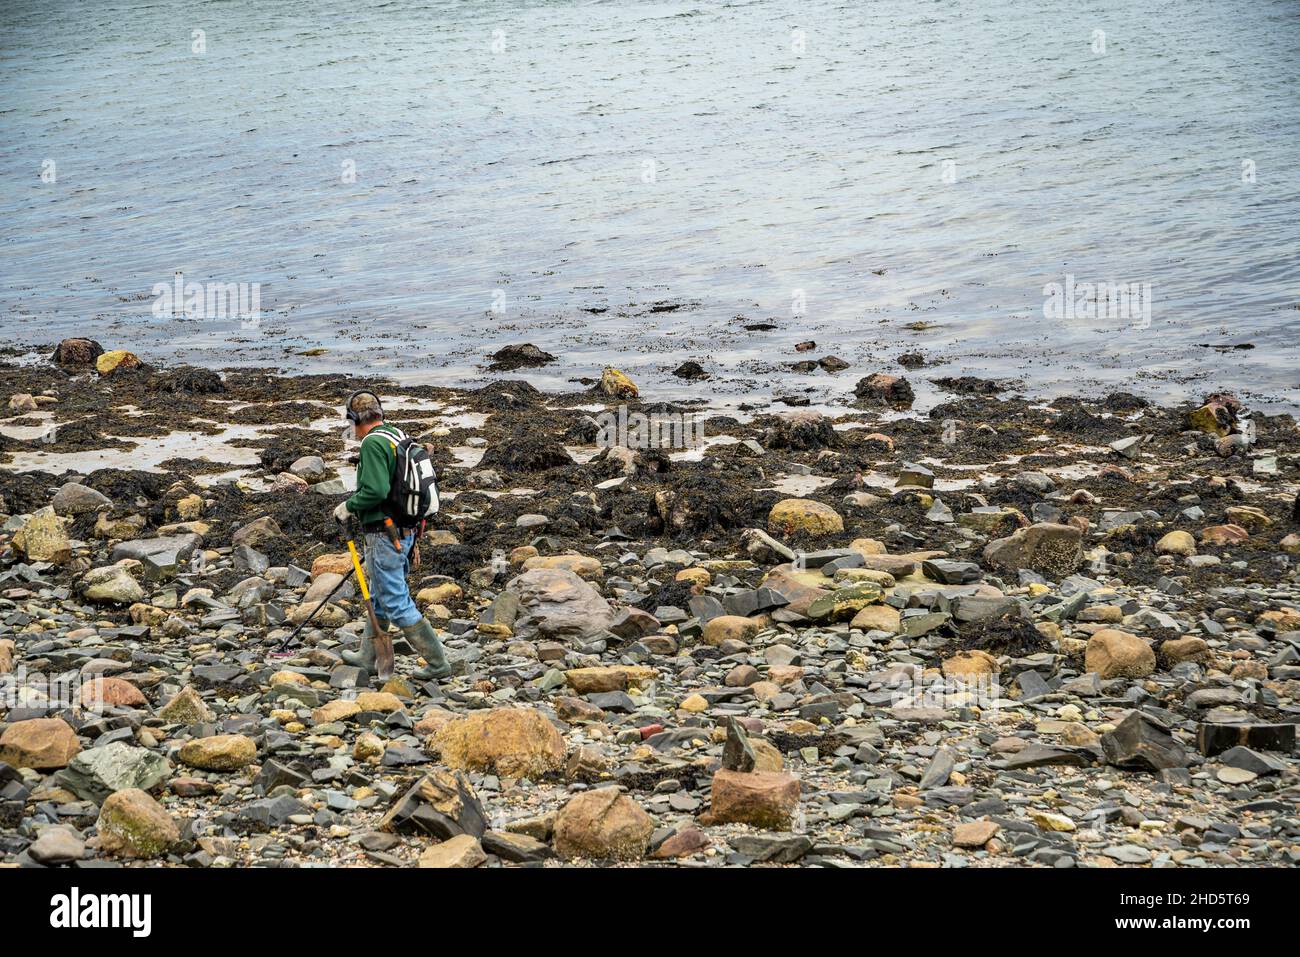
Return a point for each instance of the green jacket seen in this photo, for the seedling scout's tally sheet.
(375, 474)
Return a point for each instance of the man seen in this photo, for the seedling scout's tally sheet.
(386, 566)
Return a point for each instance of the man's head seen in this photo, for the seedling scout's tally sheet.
(364, 412)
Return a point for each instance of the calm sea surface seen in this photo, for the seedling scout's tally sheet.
(414, 185)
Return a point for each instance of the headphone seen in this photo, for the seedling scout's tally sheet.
(352, 416)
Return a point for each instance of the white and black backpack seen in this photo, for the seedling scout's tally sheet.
(413, 494)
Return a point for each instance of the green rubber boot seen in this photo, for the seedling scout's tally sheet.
(365, 657)
(425, 640)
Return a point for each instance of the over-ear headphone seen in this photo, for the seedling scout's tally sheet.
(352, 416)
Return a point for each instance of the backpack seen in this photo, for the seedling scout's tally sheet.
(413, 493)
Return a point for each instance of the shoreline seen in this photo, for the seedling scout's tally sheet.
(791, 597)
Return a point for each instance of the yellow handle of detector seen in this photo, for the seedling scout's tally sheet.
(361, 576)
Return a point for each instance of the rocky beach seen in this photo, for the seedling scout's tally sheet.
(1002, 631)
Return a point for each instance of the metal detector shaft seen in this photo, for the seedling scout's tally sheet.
(321, 604)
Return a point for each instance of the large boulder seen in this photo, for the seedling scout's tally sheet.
(515, 742)
(881, 388)
(1050, 549)
(558, 604)
(133, 824)
(765, 799)
(175, 547)
(39, 743)
(73, 498)
(604, 824)
(77, 352)
(1140, 741)
(43, 538)
(441, 804)
(95, 774)
(795, 516)
(1112, 653)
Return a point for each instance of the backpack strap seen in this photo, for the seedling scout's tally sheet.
(386, 436)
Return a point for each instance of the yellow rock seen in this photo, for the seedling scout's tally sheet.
(381, 701)
(462, 851)
(877, 618)
(1051, 822)
(1187, 648)
(439, 594)
(220, 752)
(697, 576)
(189, 508)
(1204, 420)
(516, 742)
(1281, 620)
(399, 686)
(1176, 543)
(336, 710)
(1078, 735)
(338, 563)
(368, 747)
(617, 385)
(1112, 653)
(793, 516)
(43, 538)
(115, 360)
(968, 664)
(734, 627)
(766, 755)
(694, 703)
(282, 678)
(867, 546)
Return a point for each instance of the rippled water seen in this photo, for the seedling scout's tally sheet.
(638, 182)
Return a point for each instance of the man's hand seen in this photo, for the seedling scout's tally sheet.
(341, 514)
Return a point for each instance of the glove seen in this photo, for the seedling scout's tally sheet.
(341, 514)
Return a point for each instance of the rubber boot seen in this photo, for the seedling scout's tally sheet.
(425, 640)
(365, 656)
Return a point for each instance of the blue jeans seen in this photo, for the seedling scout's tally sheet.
(386, 571)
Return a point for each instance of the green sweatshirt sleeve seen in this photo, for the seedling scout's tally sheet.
(374, 478)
